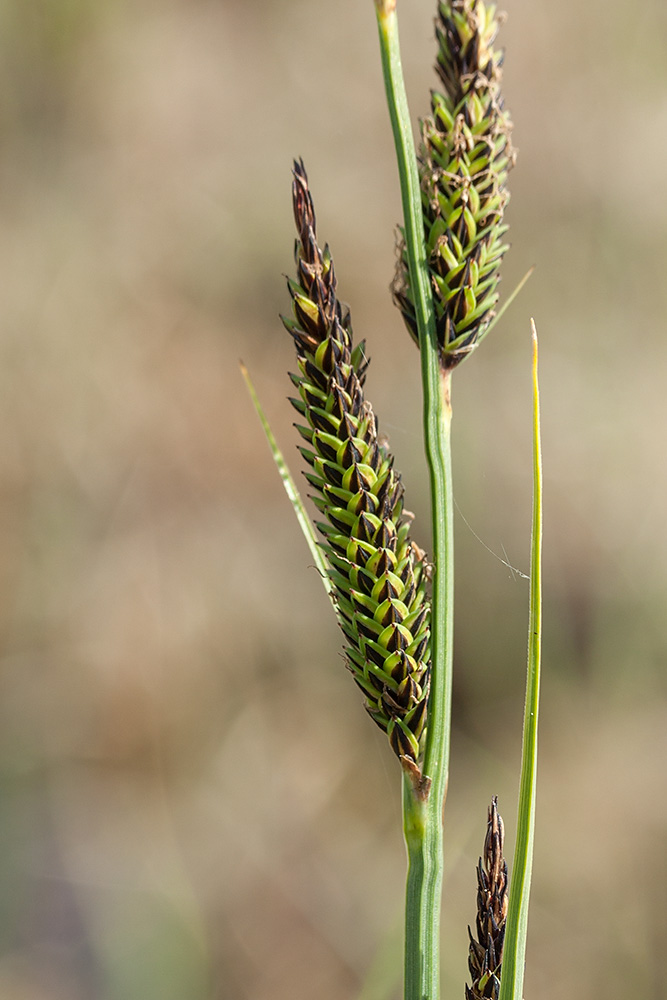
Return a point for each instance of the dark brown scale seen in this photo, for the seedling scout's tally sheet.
(337, 546)
(391, 706)
(360, 480)
(359, 605)
(365, 529)
(374, 655)
(370, 630)
(340, 525)
(402, 668)
(325, 449)
(367, 429)
(400, 743)
(341, 401)
(344, 375)
(350, 455)
(420, 649)
(332, 355)
(333, 474)
(384, 563)
(391, 616)
(389, 496)
(365, 582)
(373, 457)
(362, 558)
(312, 399)
(348, 427)
(322, 421)
(303, 344)
(396, 640)
(387, 591)
(309, 325)
(420, 620)
(316, 376)
(377, 683)
(385, 536)
(329, 494)
(356, 397)
(363, 503)
(407, 693)
(417, 720)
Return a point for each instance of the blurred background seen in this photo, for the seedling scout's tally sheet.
(193, 804)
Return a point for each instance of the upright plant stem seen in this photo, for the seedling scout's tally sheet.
(423, 812)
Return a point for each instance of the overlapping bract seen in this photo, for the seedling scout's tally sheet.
(485, 955)
(377, 573)
(464, 160)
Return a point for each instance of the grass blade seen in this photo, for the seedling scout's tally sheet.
(290, 488)
(514, 954)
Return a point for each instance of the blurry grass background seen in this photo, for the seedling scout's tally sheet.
(193, 805)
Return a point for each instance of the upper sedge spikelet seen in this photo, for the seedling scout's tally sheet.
(485, 955)
(377, 572)
(463, 164)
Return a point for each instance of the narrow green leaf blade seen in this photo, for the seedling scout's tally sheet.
(514, 952)
(290, 488)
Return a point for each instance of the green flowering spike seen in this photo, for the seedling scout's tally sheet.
(378, 574)
(463, 163)
(485, 954)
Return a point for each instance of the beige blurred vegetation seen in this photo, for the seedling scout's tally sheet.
(193, 804)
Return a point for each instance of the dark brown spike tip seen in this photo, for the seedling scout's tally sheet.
(485, 954)
(304, 210)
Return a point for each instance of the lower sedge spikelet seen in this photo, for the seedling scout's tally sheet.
(486, 950)
(377, 572)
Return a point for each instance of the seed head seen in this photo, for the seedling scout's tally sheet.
(486, 949)
(377, 573)
(463, 164)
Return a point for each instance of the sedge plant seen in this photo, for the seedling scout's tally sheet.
(393, 603)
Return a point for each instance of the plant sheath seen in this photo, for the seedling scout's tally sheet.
(514, 954)
(423, 816)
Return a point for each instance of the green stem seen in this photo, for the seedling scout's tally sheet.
(423, 814)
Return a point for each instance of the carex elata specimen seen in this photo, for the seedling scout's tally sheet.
(486, 945)
(463, 163)
(378, 574)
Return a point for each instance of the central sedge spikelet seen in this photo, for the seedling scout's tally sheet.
(463, 165)
(377, 573)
